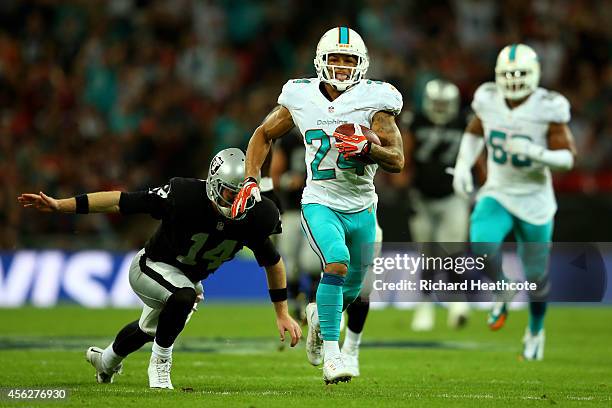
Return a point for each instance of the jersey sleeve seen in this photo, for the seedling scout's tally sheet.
(555, 108)
(156, 202)
(385, 98)
(264, 220)
(292, 93)
(265, 252)
(483, 98)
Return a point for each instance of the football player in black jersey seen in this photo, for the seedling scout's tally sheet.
(194, 238)
(440, 215)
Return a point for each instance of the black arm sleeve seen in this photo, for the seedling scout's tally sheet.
(265, 252)
(145, 202)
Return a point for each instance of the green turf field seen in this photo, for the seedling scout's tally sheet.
(229, 356)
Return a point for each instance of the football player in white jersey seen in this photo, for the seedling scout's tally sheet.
(339, 200)
(525, 130)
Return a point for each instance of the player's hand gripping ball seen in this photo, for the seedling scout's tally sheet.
(354, 141)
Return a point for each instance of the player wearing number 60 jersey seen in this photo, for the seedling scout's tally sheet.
(194, 238)
(525, 130)
(339, 200)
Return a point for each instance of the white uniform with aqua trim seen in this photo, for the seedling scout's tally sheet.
(332, 181)
(522, 186)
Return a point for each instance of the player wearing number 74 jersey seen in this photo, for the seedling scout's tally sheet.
(525, 130)
(339, 200)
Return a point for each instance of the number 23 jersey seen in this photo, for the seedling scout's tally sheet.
(343, 185)
(521, 185)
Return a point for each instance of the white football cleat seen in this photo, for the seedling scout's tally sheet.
(458, 313)
(94, 356)
(159, 373)
(335, 371)
(424, 315)
(533, 346)
(351, 361)
(314, 342)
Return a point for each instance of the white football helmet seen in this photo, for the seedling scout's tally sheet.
(440, 101)
(517, 72)
(341, 40)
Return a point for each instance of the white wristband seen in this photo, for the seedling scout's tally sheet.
(265, 184)
(555, 159)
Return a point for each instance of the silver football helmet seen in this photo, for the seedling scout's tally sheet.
(225, 179)
(441, 101)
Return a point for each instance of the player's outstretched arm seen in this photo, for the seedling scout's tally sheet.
(100, 202)
(390, 155)
(277, 284)
(275, 125)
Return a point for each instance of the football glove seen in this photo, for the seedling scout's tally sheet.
(354, 145)
(463, 183)
(520, 145)
(561, 159)
(249, 189)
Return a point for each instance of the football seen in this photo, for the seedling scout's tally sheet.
(350, 129)
(226, 149)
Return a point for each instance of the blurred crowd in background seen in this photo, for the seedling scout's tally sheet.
(124, 94)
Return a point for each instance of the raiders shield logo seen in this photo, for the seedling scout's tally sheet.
(215, 165)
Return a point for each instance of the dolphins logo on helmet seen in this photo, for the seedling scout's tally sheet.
(517, 71)
(341, 40)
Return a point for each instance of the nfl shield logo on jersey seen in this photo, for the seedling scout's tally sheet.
(330, 109)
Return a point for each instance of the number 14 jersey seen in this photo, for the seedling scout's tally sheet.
(193, 236)
(343, 185)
